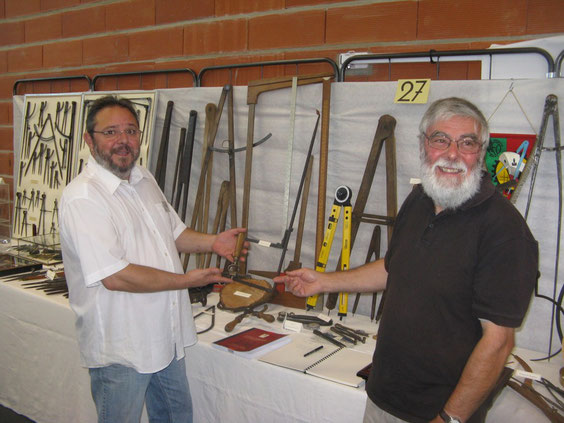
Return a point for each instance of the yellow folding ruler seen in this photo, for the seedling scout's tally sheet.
(342, 200)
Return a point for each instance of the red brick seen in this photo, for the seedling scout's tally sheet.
(174, 80)
(84, 21)
(243, 75)
(545, 16)
(105, 49)
(130, 14)
(78, 85)
(168, 11)
(311, 68)
(294, 3)
(44, 28)
(3, 61)
(7, 165)
(58, 4)
(6, 138)
(445, 71)
(5, 113)
(2, 9)
(39, 87)
(155, 44)
(133, 82)
(288, 30)
(441, 19)
(7, 85)
(375, 23)
(21, 7)
(61, 86)
(234, 7)
(9, 179)
(12, 33)
(108, 83)
(25, 59)
(215, 37)
(63, 54)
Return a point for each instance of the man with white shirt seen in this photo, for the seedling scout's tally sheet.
(120, 241)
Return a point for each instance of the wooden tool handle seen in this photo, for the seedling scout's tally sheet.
(239, 245)
(231, 325)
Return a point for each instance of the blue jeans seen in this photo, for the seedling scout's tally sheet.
(119, 393)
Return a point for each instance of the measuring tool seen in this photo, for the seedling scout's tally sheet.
(342, 200)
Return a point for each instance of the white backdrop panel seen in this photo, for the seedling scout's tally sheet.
(355, 110)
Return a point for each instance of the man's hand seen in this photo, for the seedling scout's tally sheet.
(203, 277)
(302, 282)
(226, 242)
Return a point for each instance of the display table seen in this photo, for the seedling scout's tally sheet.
(41, 376)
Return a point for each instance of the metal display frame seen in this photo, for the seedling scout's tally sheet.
(434, 55)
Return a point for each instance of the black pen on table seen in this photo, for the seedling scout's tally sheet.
(312, 351)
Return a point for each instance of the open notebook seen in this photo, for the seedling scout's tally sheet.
(333, 363)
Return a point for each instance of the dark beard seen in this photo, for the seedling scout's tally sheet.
(105, 160)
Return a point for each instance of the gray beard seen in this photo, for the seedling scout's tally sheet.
(106, 162)
(443, 194)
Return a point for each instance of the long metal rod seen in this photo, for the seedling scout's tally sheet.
(142, 73)
(558, 64)
(433, 54)
(49, 79)
(328, 61)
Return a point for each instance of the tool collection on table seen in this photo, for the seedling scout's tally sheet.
(53, 152)
(261, 291)
(51, 281)
(247, 293)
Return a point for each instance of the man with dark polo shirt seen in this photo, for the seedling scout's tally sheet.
(459, 273)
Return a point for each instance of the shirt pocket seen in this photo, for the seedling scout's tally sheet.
(164, 217)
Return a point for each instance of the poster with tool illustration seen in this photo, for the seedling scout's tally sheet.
(52, 152)
(506, 159)
(48, 139)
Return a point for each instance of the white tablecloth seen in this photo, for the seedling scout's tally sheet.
(41, 376)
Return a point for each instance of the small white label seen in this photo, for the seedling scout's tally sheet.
(264, 243)
(293, 326)
(242, 294)
(50, 274)
(527, 375)
(324, 317)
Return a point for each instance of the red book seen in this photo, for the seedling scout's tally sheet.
(252, 342)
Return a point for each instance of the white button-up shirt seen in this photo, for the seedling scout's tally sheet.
(106, 223)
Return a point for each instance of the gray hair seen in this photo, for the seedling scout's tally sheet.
(447, 108)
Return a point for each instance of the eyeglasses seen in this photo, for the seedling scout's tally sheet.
(111, 134)
(466, 145)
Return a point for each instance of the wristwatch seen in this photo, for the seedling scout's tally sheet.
(448, 419)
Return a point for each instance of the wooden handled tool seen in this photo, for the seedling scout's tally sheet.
(254, 89)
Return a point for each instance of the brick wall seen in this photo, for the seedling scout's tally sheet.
(52, 38)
